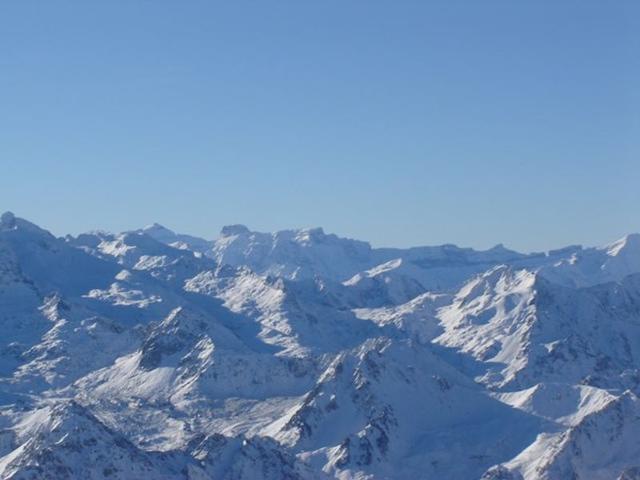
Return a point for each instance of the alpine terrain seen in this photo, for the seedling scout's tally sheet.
(298, 354)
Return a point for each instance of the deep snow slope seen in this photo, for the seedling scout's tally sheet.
(303, 355)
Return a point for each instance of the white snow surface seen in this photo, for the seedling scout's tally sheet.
(303, 355)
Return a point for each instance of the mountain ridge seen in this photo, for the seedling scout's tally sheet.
(301, 354)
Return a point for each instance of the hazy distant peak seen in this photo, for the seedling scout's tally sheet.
(167, 236)
(8, 221)
(630, 242)
(237, 229)
(156, 227)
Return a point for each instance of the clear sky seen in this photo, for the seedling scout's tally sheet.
(399, 122)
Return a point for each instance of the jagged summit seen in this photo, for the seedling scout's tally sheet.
(300, 235)
(229, 230)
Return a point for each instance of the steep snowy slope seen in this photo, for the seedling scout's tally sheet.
(603, 445)
(298, 316)
(77, 342)
(63, 440)
(390, 283)
(49, 263)
(526, 329)
(393, 409)
(35, 267)
(190, 376)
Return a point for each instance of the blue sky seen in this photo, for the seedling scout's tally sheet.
(403, 123)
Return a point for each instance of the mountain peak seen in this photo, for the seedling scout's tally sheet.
(237, 229)
(157, 231)
(8, 220)
(499, 248)
(156, 227)
(630, 241)
(167, 236)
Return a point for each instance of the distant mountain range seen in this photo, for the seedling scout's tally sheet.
(302, 355)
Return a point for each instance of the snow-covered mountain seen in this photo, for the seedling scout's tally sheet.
(303, 355)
